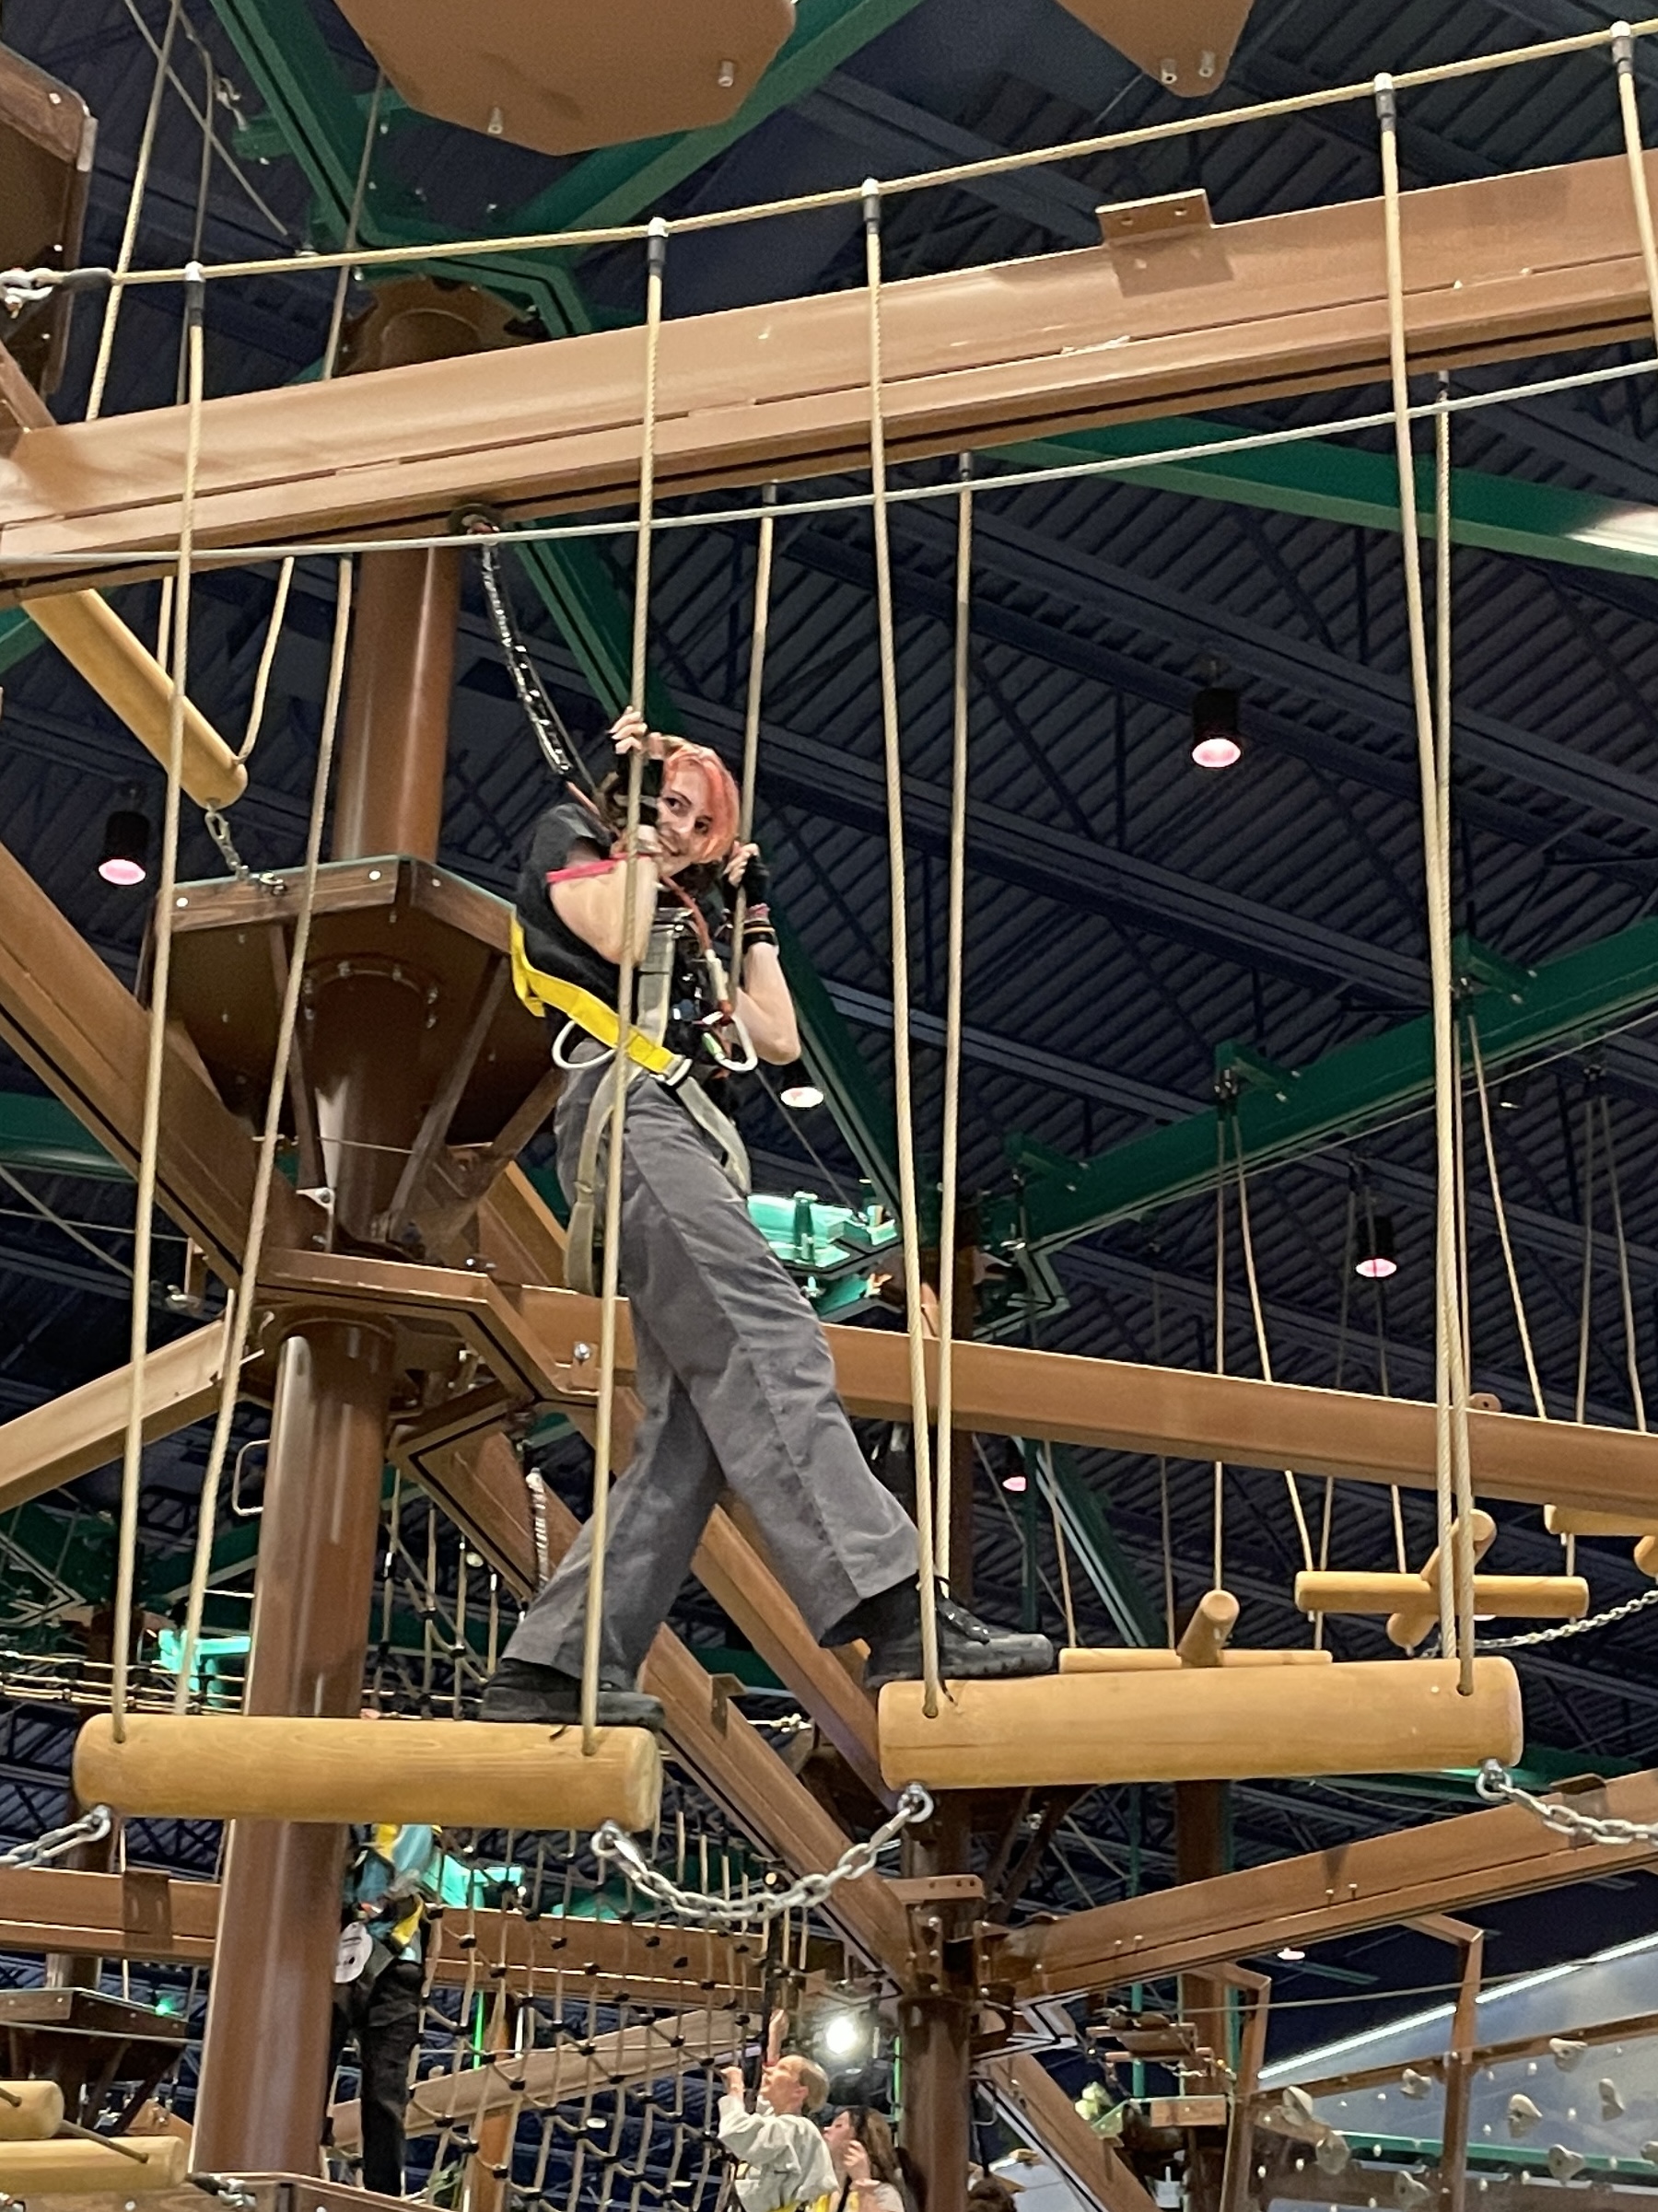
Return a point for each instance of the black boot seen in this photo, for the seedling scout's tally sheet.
(518, 1690)
(969, 1650)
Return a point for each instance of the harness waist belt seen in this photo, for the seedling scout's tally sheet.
(539, 991)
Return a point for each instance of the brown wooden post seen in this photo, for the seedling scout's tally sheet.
(260, 2103)
(1459, 2057)
(1201, 1853)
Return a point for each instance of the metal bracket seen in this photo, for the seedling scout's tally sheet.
(1138, 222)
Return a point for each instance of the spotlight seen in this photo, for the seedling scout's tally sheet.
(1289, 1953)
(1376, 1261)
(1215, 727)
(125, 856)
(843, 2035)
(800, 1098)
(1016, 1483)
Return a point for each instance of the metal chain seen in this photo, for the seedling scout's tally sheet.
(613, 1843)
(1497, 1786)
(558, 748)
(91, 1828)
(1565, 1628)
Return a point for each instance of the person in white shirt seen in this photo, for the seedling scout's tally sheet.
(784, 2159)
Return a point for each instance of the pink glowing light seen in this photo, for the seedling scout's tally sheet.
(1217, 751)
(125, 872)
(1377, 1268)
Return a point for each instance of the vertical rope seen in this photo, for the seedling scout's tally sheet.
(1477, 1059)
(1586, 1297)
(1061, 1549)
(129, 234)
(1217, 1512)
(1447, 1333)
(1260, 1329)
(921, 1439)
(1462, 1474)
(751, 723)
(238, 1316)
(132, 1462)
(950, 1167)
(604, 1422)
(1631, 1347)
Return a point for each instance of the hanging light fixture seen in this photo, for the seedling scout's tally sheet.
(800, 1094)
(1215, 742)
(1376, 1261)
(124, 857)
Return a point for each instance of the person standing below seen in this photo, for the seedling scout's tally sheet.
(860, 2149)
(379, 1983)
(733, 1368)
(783, 2160)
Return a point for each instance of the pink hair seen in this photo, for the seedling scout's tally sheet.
(719, 800)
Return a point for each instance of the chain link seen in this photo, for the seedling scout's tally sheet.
(1498, 1786)
(1563, 1629)
(610, 1842)
(91, 1828)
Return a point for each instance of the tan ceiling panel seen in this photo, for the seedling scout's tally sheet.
(1186, 45)
(563, 77)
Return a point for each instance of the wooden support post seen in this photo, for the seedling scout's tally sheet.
(1459, 2056)
(935, 2015)
(1202, 1850)
(1257, 1990)
(265, 2057)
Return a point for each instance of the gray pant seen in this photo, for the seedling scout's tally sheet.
(738, 1388)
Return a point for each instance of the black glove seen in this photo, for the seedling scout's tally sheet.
(753, 884)
(613, 794)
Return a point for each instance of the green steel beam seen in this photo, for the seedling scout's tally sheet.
(39, 1133)
(1565, 1001)
(1093, 1544)
(619, 183)
(1346, 484)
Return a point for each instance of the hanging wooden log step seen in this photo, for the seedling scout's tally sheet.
(463, 1774)
(122, 2166)
(1201, 1724)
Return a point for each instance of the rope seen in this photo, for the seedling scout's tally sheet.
(757, 1908)
(751, 721)
(921, 1438)
(1061, 1547)
(1431, 744)
(604, 1423)
(1260, 1329)
(131, 1463)
(1586, 1297)
(239, 1317)
(950, 1166)
(1631, 1348)
(1218, 1511)
(965, 173)
(129, 234)
(1510, 1268)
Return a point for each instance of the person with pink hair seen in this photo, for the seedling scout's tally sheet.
(733, 1369)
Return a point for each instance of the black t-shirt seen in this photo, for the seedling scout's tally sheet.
(556, 949)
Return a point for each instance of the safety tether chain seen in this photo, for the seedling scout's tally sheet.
(1563, 1629)
(611, 1843)
(1451, 1487)
(91, 1828)
(558, 746)
(131, 1463)
(920, 1435)
(1498, 1786)
(609, 1286)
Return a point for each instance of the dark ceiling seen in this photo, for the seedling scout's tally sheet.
(1127, 912)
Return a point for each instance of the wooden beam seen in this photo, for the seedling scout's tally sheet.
(70, 1435)
(1034, 2106)
(168, 1922)
(1476, 1858)
(1495, 268)
(68, 1018)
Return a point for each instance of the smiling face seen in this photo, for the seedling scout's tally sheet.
(839, 2133)
(697, 815)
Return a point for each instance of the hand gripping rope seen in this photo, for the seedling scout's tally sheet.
(731, 1912)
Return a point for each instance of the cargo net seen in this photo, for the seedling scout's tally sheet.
(570, 2048)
